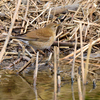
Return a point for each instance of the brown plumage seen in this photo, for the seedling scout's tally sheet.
(41, 38)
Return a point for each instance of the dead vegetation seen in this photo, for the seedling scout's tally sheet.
(78, 37)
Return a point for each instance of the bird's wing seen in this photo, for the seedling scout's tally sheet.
(40, 34)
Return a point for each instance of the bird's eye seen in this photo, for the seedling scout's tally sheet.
(55, 25)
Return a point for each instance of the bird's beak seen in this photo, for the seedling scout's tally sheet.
(58, 24)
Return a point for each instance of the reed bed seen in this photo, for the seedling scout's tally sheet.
(78, 35)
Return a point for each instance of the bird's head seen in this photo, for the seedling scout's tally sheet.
(53, 26)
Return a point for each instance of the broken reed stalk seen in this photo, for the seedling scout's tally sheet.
(25, 16)
(82, 60)
(78, 51)
(86, 68)
(72, 75)
(55, 73)
(10, 30)
(87, 61)
(15, 62)
(73, 66)
(58, 69)
(26, 65)
(36, 70)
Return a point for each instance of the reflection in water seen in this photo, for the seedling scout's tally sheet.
(72, 88)
(94, 83)
(35, 90)
(14, 87)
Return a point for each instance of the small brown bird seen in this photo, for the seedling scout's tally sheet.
(41, 38)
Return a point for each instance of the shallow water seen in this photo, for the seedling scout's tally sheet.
(15, 87)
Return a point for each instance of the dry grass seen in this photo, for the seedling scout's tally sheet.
(80, 24)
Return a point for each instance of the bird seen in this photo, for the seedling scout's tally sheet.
(41, 38)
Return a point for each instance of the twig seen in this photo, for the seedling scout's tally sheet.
(25, 66)
(93, 24)
(10, 30)
(36, 70)
(39, 15)
(87, 61)
(55, 73)
(84, 49)
(25, 15)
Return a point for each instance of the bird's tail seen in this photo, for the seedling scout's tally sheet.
(23, 37)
